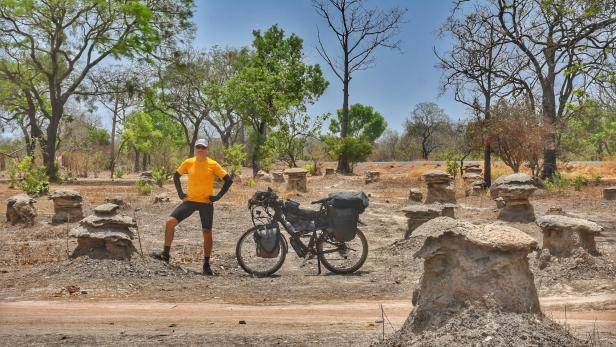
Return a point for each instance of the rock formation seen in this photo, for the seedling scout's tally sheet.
(472, 169)
(440, 187)
(515, 190)
(330, 172)
(66, 206)
(609, 193)
(20, 209)
(465, 264)
(105, 234)
(419, 214)
(415, 195)
(562, 235)
(263, 176)
(161, 198)
(296, 180)
(278, 176)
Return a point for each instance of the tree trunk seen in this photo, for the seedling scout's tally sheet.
(113, 131)
(49, 152)
(343, 161)
(137, 169)
(487, 165)
(256, 153)
(549, 138)
(144, 166)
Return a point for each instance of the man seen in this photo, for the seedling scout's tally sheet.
(201, 171)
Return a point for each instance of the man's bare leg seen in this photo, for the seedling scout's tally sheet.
(170, 230)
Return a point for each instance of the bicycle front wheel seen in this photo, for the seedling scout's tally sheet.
(246, 254)
(343, 257)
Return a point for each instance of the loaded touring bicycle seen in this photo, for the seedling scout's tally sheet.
(329, 234)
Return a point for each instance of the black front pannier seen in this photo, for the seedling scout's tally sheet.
(354, 200)
(267, 240)
(343, 223)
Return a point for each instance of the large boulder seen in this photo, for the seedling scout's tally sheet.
(515, 190)
(562, 235)
(440, 187)
(67, 206)
(20, 209)
(105, 234)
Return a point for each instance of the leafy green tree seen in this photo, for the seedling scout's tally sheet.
(363, 121)
(290, 137)
(590, 132)
(274, 80)
(364, 128)
(64, 40)
(141, 134)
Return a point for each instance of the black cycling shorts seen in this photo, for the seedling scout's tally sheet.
(186, 208)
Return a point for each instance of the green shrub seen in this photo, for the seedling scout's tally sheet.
(234, 158)
(28, 177)
(453, 167)
(311, 168)
(557, 182)
(161, 176)
(596, 179)
(579, 181)
(143, 187)
(119, 173)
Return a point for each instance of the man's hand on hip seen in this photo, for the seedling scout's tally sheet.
(214, 198)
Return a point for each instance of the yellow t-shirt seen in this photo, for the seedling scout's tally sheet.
(201, 178)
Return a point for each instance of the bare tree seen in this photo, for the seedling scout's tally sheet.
(480, 67)
(563, 40)
(359, 31)
(427, 120)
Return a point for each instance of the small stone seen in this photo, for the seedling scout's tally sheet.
(242, 322)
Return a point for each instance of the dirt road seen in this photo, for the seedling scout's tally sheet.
(338, 322)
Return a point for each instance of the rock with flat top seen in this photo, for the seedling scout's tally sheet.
(415, 195)
(609, 193)
(562, 235)
(465, 264)
(419, 214)
(440, 187)
(515, 190)
(67, 206)
(296, 179)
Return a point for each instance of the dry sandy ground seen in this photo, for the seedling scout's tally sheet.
(48, 299)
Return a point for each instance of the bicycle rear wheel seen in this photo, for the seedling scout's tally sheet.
(246, 254)
(343, 257)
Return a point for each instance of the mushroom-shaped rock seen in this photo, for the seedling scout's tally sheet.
(330, 172)
(465, 264)
(515, 190)
(472, 169)
(263, 176)
(105, 234)
(297, 180)
(20, 209)
(440, 187)
(419, 214)
(415, 195)
(563, 234)
(67, 206)
(609, 193)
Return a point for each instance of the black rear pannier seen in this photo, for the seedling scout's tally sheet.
(354, 200)
(343, 222)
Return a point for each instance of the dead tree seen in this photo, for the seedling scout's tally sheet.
(359, 31)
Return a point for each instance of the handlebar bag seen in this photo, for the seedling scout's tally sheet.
(343, 223)
(267, 240)
(355, 200)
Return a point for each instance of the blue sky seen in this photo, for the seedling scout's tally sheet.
(393, 86)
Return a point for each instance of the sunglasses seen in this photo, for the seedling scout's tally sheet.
(200, 147)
